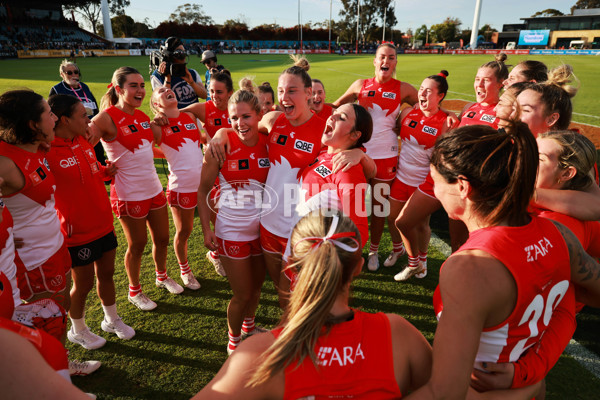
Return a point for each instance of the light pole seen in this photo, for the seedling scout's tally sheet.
(330, 6)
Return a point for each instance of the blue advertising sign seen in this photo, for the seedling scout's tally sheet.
(534, 38)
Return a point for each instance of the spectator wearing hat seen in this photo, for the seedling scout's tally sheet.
(187, 88)
(209, 59)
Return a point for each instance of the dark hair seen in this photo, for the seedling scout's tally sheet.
(266, 88)
(391, 46)
(500, 165)
(534, 70)
(223, 76)
(119, 78)
(319, 82)
(300, 69)
(63, 105)
(363, 123)
(500, 69)
(441, 81)
(172, 43)
(17, 109)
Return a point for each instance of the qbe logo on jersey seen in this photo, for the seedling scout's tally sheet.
(488, 118)
(263, 163)
(430, 131)
(389, 95)
(323, 171)
(303, 146)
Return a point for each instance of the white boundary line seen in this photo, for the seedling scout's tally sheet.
(583, 356)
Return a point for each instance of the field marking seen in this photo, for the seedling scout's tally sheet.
(464, 94)
(586, 115)
(583, 356)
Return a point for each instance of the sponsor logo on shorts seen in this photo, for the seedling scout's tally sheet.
(56, 282)
(389, 95)
(190, 127)
(430, 131)
(488, 118)
(136, 210)
(84, 253)
(233, 250)
(145, 125)
(303, 146)
(184, 200)
(323, 171)
(263, 163)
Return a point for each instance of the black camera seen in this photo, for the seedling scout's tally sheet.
(168, 54)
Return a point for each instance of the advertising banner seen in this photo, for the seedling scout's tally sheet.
(534, 38)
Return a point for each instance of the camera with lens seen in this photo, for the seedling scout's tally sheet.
(168, 54)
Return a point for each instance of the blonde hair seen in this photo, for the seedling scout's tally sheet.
(247, 83)
(325, 269)
(499, 67)
(119, 78)
(300, 69)
(245, 96)
(577, 151)
(64, 64)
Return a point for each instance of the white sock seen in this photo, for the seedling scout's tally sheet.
(78, 324)
(110, 312)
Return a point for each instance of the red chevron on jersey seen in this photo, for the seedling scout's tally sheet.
(215, 119)
(386, 95)
(131, 129)
(179, 129)
(479, 114)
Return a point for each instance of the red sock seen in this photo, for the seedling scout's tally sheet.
(423, 257)
(185, 268)
(134, 290)
(161, 276)
(248, 325)
(413, 261)
(374, 248)
(234, 341)
(399, 247)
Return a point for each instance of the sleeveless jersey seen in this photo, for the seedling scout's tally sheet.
(291, 149)
(587, 232)
(419, 134)
(325, 112)
(32, 207)
(7, 253)
(241, 182)
(81, 199)
(344, 191)
(215, 119)
(181, 144)
(355, 362)
(131, 151)
(480, 115)
(538, 259)
(383, 101)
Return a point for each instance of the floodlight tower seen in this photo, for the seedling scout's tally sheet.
(475, 28)
(106, 21)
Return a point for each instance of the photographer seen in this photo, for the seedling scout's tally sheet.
(209, 59)
(170, 70)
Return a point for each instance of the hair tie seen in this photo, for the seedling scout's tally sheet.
(442, 75)
(503, 131)
(332, 237)
(109, 85)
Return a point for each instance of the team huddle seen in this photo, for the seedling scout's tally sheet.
(296, 190)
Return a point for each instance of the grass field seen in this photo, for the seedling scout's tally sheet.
(180, 346)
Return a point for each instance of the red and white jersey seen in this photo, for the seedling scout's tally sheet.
(343, 191)
(383, 101)
(241, 182)
(7, 252)
(419, 134)
(587, 232)
(355, 361)
(325, 112)
(480, 115)
(215, 119)
(180, 143)
(538, 259)
(131, 151)
(32, 208)
(291, 149)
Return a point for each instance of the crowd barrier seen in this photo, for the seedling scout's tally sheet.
(567, 52)
(67, 52)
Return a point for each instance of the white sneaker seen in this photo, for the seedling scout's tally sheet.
(373, 262)
(424, 273)
(393, 257)
(257, 329)
(170, 285)
(190, 281)
(86, 338)
(83, 368)
(409, 272)
(230, 350)
(217, 263)
(120, 328)
(142, 302)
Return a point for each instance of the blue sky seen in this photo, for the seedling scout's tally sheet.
(410, 13)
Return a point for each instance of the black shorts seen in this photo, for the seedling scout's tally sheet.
(90, 252)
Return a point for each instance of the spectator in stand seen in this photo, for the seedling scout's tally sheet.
(187, 88)
(209, 59)
(71, 84)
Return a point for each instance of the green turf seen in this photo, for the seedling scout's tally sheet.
(180, 346)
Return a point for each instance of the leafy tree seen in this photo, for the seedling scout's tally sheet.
(549, 12)
(371, 16)
(585, 4)
(125, 26)
(486, 31)
(90, 10)
(189, 13)
(421, 33)
(447, 31)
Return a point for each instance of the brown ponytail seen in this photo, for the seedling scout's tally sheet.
(119, 78)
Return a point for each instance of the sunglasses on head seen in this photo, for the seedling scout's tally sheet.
(179, 54)
(76, 72)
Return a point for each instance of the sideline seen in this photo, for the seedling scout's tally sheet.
(583, 356)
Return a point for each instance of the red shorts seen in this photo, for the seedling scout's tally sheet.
(400, 191)
(427, 187)
(186, 201)
(137, 209)
(239, 250)
(272, 243)
(49, 277)
(386, 168)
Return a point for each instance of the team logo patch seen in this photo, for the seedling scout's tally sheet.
(243, 164)
(282, 139)
(303, 146)
(389, 95)
(471, 114)
(430, 131)
(238, 165)
(263, 163)
(190, 127)
(323, 171)
(175, 129)
(217, 121)
(84, 253)
(145, 125)
(168, 131)
(126, 131)
(371, 93)
(132, 128)
(37, 176)
(488, 118)
(413, 124)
